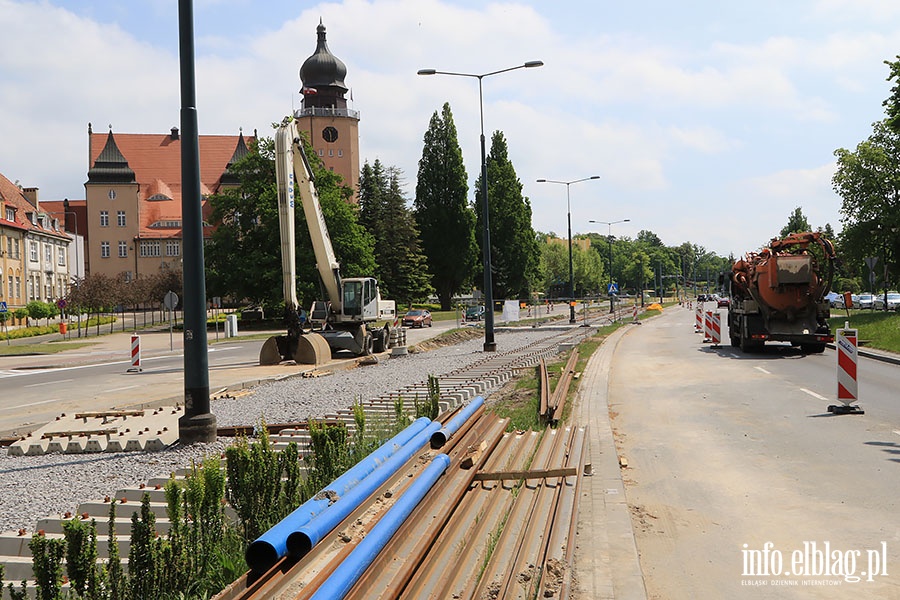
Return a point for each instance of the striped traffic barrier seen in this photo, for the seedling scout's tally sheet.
(715, 328)
(634, 318)
(135, 354)
(847, 356)
(698, 325)
(707, 327)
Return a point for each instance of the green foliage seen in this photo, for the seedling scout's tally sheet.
(868, 181)
(429, 406)
(243, 256)
(41, 310)
(331, 454)
(81, 557)
(116, 579)
(797, 223)
(892, 103)
(442, 211)
(879, 329)
(146, 568)
(515, 254)
(403, 269)
(264, 485)
(47, 555)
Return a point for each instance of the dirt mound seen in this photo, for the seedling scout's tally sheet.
(452, 337)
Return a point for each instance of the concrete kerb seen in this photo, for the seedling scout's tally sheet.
(607, 564)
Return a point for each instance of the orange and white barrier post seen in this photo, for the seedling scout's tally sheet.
(135, 354)
(707, 327)
(634, 318)
(715, 328)
(847, 356)
(698, 325)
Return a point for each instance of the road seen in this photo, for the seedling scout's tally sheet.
(36, 389)
(734, 463)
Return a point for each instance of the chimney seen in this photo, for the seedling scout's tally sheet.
(31, 194)
(174, 133)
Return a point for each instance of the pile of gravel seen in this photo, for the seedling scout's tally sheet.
(33, 487)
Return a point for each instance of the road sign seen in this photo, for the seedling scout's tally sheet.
(171, 300)
(613, 288)
(61, 303)
(3, 307)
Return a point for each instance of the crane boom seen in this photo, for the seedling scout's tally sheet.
(291, 163)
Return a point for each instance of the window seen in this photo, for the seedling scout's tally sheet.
(10, 287)
(1, 282)
(123, 249)
(150, 248)
(48, 288)
(340, 153)
(173, 248)
(33, 251)
(330, 152)
(128, 277)
(104, 249)
(61, 257)
(18, 287)
(10, 214)
(104, 218)
(120, 218)
(48, 254)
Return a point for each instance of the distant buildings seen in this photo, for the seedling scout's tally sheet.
(34, 249)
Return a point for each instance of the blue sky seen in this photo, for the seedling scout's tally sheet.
(707, 121)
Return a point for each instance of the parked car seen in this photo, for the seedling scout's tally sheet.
(893, 301)
(864, 301)
(723, 302)
(417, 317)
(474, 313)
(833, 298)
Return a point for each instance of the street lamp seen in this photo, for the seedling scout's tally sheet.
(569, 212)
(610, 224)
(489, 344)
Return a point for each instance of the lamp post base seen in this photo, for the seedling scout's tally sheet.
(197, 428)
(490, 346)
(571, 314)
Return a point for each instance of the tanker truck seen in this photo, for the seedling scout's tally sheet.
(778, 294)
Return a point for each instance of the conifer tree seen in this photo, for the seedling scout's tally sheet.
(515, 254)
(445, 218)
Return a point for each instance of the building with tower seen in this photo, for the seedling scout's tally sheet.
(333, 128)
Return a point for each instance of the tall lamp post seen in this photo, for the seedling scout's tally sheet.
(569, 213)
(609, 224)
(489, 344)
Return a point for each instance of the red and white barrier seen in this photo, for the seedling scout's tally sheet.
(634, 318)
(847, 356)
(715, 328)
(707, 327)
(698, 325)
(845, 340)
(135, 354)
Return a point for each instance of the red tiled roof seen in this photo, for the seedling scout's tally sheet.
(156, 162)
(14, 197)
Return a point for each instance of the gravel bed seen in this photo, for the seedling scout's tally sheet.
(33, 487)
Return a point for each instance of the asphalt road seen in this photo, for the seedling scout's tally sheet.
(36, 389)
(728, 452)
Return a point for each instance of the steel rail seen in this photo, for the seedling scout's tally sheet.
(557, 576)
(388, 575)
(458, 554)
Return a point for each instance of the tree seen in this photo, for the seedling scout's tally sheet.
(892, 103)
(403, 272)
(515, 256)
(243, 257)
(797, 223)
(868, 182)
(445, 218)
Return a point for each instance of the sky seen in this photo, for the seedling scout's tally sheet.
(707, 122)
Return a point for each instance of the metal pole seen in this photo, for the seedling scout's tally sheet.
(197, 424)
(489, 344)
(571, 271)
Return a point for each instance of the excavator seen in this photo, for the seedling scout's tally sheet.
(343, 322)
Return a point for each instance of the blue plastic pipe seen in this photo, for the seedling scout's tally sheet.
(265, 551)
(345, 576)
(440, 437)
(301, 541)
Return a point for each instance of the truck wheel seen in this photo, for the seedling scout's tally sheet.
(368, 342)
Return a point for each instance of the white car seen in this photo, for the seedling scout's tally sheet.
(865, 301)
(893, 301)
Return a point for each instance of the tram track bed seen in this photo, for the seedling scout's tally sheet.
(34, 486)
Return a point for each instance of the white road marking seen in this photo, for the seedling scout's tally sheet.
(813, 394)
(48, 383)
(763, 370)
(30, 404)
(119, 389)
